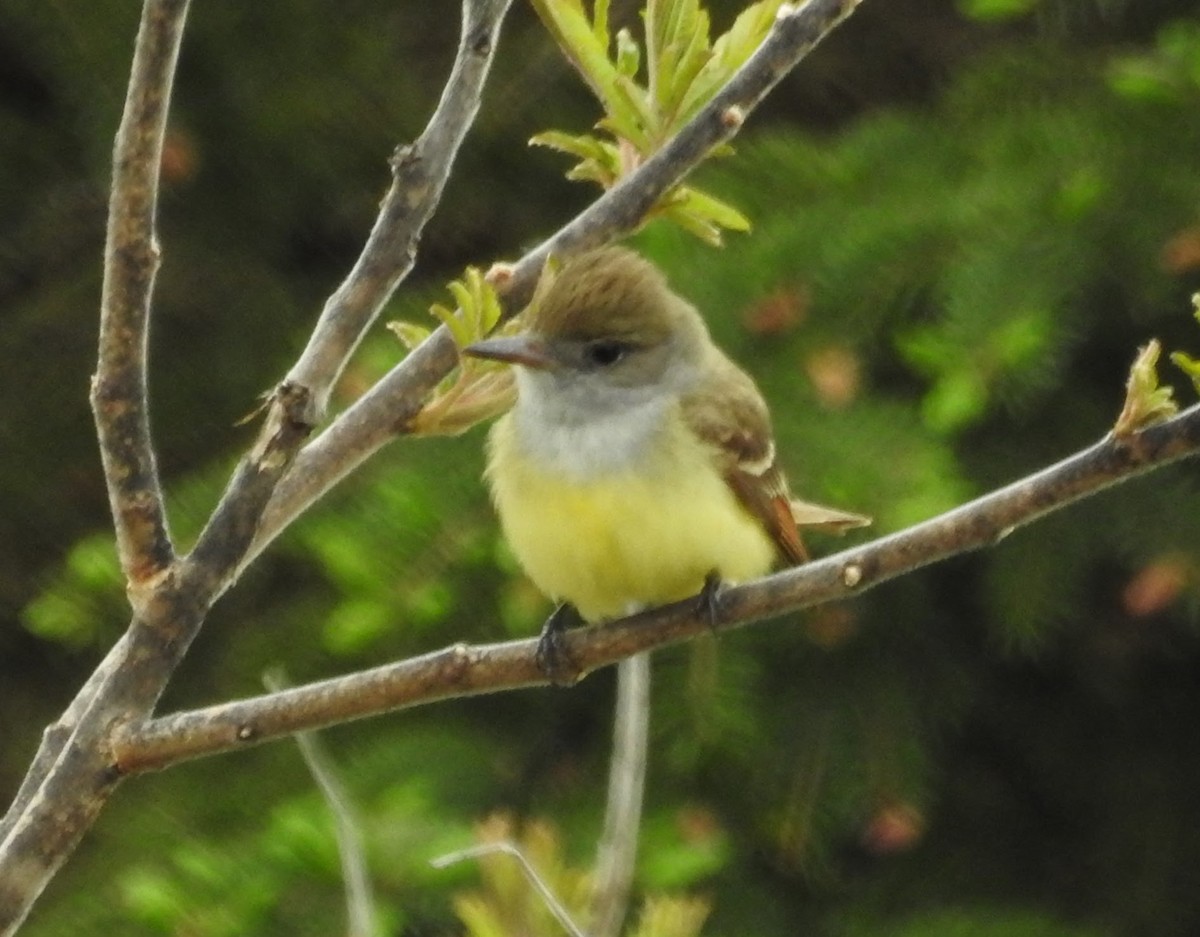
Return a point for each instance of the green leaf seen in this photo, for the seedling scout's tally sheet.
(1146, 401)
(678, 56)
(623, 101)
(713, 209)
(630, 114)
(458, 328)
(410, 334)
(677, 47)
(629, 54)
(490, 308)
(746, 34)
(600, 24)
(708, 232)
(600, 160)
(579, 39)
(692, 61)
(585, 146)
(477, 309)
(729, 53)
(1185, 362)
(1189, 366)
(591, 171)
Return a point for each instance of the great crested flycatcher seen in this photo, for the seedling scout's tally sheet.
(637, 465)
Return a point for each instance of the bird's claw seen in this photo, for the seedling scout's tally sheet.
(708, 600)
(552, 658)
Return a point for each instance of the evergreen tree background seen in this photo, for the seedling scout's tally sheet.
(967, 218)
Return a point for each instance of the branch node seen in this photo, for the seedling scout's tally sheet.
(296, 404)
(290, 418)
(403, 157)
(852, 575)
(733, 117)
(246, 733)
(500, 274)
(145, 585)
(481, 44)
(461, 657)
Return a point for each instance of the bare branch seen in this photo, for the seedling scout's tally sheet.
(462, 670)
(617, 855)
(384, 412)
(131, 257)
(419, 174)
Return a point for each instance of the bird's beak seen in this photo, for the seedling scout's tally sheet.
(525, 349)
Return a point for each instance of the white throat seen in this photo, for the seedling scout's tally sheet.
(585, 431)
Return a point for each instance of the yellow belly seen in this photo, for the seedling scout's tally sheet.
(624, 539)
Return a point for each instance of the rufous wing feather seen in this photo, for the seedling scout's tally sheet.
(729, 414)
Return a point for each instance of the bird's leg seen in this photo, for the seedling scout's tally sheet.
(708, 600)
(552, 657)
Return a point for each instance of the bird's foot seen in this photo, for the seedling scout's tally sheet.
(552, 658)
(708, 600)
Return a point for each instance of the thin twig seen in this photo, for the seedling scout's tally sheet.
(119, 396)
(617, 855)
(419, 174)
(385, 411)
(360, 902)
(463, 670)
(508, 849)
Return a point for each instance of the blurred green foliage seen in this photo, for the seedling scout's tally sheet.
(965, 224)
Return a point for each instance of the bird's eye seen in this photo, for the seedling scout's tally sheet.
(604, 352)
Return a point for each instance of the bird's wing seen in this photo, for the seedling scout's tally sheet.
(729, 414)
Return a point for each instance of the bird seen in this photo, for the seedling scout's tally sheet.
(637, 466)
